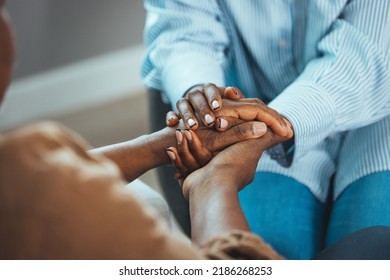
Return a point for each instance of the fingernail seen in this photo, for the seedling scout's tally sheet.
(259, 129)
(222, 123)
(215, 105)
(234, 89)
(191, 122)
(188, 135)
(179, 136)
(209, 119)
(170, 154)
(288, 125)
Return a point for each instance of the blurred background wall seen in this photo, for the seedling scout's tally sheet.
(78, 63)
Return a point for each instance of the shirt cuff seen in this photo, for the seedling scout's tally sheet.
(187, 70)
(310, 110)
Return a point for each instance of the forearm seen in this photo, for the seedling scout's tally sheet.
(214, 208)
(141, 154)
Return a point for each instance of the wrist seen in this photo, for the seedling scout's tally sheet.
(158, 141)
(210, 180)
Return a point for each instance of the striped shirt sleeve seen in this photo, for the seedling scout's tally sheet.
(186, 45)
(348, 85)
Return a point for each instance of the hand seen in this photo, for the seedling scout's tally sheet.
(252, 109)
(196, 104)
(236, 164)
(189, 155)
(204, 99)
(235, 131)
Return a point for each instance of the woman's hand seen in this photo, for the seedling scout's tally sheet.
(189, 154)
(205, 103)
(235, 164)
(203, 100)
(194, 163)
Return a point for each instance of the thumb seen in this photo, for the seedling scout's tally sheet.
(238, 133)
(232, 93)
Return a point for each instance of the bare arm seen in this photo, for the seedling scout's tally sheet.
(139, 155)
(212, 190)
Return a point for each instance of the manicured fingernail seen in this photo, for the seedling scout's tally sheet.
(179, 136)
(215, 105)
(170, 154)
(209, 119)
(188, 135)
(222, 123)
(191, 122)
(259, 129)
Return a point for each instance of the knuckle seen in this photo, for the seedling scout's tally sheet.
(211, 90)
(181, 101)
(203, 107)
(191, 95)
(186, 114)
(209, 85)
(240, 132)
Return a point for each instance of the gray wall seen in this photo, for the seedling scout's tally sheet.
(52, 33)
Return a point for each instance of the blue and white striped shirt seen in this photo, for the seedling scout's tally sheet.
(322, 64)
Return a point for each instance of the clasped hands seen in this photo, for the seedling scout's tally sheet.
(208, 114)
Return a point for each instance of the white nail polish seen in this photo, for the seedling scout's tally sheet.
(223, 123)
(209, 119)
(191, 122)
(215, 104)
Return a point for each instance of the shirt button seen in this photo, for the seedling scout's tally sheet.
(282, 43)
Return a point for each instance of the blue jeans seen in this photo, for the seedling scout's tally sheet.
(288, 216)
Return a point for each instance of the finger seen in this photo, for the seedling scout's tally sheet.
(201, 106)
(171, 119)
(276, 121)
(185, 155)
(200, 153)
(232, 93)
(176, 160)
(289, 125)
(254, 109)
(224, 123)
(238, 133)
(187, 113)
(213, 96)
(179, 178)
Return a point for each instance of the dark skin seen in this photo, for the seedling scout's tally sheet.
(139, 155)
(149, 148)
(212, 183)
(206, 100)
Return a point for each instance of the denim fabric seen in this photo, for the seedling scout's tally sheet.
(364, 203)
(285, 214)
(289, 217)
